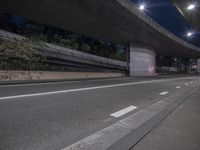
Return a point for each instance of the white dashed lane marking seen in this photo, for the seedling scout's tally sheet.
(123, 111)
(164, 93)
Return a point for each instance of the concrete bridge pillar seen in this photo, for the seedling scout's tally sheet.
(142, 61)
(198, 65)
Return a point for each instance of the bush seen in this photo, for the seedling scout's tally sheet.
(19, 55)
(86, 48)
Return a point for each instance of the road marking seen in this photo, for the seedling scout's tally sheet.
(75, 90)
(88, 88)
(178, 87)
(65, 82)
(123, 111)
(191, 82)
(164, 93)
(105, 138)
(186, 84)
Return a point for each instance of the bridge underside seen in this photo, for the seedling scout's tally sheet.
(192, 16)
(107, 20)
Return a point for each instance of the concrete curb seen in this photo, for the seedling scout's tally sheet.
(87, 79)
(46, 81)
(129, 141)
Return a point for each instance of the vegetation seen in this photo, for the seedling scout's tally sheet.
(61, 37)
(19, 55)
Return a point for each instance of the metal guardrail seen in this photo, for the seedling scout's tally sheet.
(147, 19)
(52, 48)
(11, 36)
(84, 55)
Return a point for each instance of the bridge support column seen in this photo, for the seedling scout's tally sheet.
(142, 61)
(198, 65)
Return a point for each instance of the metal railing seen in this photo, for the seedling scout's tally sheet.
(82, 55)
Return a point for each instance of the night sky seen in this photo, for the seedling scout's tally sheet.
(167, 15)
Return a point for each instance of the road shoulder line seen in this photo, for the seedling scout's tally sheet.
(84, 89)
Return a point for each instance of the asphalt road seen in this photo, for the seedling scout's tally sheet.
(52, 116)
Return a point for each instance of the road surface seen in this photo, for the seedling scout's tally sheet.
(62, 115)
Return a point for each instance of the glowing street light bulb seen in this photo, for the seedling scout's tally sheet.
(191, 6)
(189, 34)
(142, 7)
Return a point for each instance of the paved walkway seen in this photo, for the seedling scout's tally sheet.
(179, 131)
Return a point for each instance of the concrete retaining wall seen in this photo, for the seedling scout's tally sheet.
(44, 75)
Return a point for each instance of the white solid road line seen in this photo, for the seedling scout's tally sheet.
(164, 93)
(88, 88)
(123, 111)
(75, 90)
(67, 82)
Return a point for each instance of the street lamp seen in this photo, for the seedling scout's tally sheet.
(189, 34)
(142, 7)
(191, 6)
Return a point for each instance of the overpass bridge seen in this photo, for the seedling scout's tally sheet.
(191, 15)
(118, 21)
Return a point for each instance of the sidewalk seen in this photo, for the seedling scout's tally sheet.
(179, 131)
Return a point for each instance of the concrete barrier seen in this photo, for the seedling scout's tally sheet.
(46, 75)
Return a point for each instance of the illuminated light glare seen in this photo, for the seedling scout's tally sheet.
(191, 6)
(189, 34)
(142, 7)
(151, 69)
(194, 66)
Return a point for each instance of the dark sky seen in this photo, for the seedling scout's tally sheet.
(166, 14)
(18, 20)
